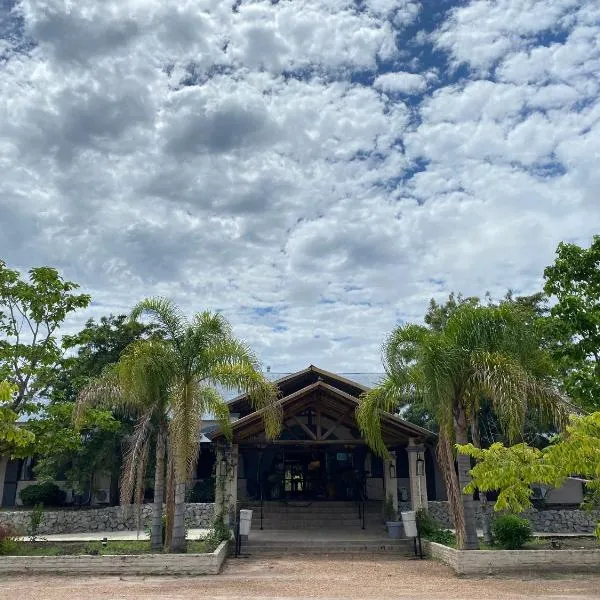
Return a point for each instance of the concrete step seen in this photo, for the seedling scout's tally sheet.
(277, 548)
(316, 526)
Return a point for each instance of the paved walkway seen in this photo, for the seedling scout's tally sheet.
(193, 534)
(303, 578)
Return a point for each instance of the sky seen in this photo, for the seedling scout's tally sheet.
(315, 170)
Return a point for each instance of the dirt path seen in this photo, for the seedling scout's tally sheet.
(299, 578)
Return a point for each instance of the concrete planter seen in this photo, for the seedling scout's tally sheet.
(394, 529)
(498, 562)
(128, 564)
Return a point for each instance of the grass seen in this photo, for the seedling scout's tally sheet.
(94, 548)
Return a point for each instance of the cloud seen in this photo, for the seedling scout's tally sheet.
(407, 83)
(314, 170)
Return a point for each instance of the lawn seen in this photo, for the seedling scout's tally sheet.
(41, 548)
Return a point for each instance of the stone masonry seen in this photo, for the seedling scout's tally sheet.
(113, 518)
(547, 521)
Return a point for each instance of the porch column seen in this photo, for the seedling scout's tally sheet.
(226, 482)
(416, 472)
(390, 484)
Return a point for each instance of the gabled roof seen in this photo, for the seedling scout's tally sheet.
(329, 397)
(296, 381)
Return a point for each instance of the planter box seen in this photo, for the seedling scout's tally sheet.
(497, 562)
(127, 564)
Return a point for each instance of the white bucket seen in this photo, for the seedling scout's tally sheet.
(245, 521)
(409, 520)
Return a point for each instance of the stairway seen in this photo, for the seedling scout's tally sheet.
(299, 515)
(325, 527)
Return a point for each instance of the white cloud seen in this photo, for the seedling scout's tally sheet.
(238, 160)
(407, 83)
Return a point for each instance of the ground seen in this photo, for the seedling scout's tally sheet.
(300, 578)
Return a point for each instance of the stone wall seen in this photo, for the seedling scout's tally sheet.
(547, 521)
(113, 518)
(126, 564)
(497, 562)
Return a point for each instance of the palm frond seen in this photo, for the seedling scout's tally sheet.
(136, 449)
(164, 312)
(211, 401)
(104, 391)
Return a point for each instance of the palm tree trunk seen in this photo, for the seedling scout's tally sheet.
(471, 542)
(446, 462)
(159, 493)
(170, 509)
(178, 540)
(483, 503)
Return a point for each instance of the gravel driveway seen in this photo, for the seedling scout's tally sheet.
(300, 578)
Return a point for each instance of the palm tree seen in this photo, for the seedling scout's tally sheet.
(200, 353)
(490, 353)
(137, 385)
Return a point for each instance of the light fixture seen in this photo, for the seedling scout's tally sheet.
(420, 464)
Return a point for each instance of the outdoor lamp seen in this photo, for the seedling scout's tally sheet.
(420, 464)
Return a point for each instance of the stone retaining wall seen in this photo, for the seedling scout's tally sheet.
(130, 564)
(547, 521)
(112, 518)
(496, 562)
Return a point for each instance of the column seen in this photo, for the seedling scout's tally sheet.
(231, 482)
(416, 472)
(390, 485)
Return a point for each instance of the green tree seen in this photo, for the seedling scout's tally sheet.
(512, 470)
(64, 449)
(138, 385)
(202, 352)
(490, 353)
(31, 313)
(77, 453)
(574, 281)
(11, 435)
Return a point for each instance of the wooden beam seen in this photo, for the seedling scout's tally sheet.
(319, 432)
(306, 429)
(316, 442)
(335, 425)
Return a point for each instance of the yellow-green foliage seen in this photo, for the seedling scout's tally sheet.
(11, 434)
(512, 470)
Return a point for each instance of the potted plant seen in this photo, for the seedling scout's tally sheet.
(394, 526)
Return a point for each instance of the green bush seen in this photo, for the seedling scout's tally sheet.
(46, 494)
(511, 532)
(219, 533)
(35, 520)
(431, 530)
(8, 539)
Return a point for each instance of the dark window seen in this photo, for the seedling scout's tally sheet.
(376, 466)
(402, 463)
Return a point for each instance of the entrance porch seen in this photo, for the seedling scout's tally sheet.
(319, 460)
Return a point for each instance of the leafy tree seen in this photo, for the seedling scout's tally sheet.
(512, 470)
(574, 280)
(63, 448)
(11, 435)
(31, 313)
(490, 353)
(76, 452)
(96, 346)
(200, 353)
(138, 384)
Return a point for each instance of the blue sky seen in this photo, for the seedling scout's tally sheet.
(316, 170)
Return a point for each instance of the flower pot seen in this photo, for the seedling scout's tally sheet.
(394, 529)
(409, 520)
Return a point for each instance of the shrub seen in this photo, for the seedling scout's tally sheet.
(46, 494)
(219, 533)
(8, 539)
(511, 532)
(431, 530)
(35, 520)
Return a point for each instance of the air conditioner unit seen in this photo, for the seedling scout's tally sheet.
(102, 496)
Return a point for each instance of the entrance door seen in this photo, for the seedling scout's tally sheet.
(304, 474)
